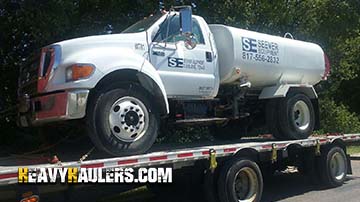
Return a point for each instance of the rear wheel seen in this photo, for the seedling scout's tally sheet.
(333, 166)
(292, 117)
(122, 121)
(240, 180)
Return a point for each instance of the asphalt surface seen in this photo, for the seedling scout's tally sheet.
(296, 188)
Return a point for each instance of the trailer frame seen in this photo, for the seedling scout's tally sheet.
(185, 157)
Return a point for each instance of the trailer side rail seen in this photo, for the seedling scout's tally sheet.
(8, 175)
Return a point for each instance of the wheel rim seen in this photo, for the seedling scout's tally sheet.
(338, 166)
(128, 119)
(246, 185)
(301, 115)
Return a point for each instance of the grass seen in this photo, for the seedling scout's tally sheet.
(353, 149)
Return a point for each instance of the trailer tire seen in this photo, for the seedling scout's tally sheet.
(332, 167)
(294, 118)
(240, 180)
(114, 120)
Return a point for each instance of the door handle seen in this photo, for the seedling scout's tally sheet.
(209, 57)
(158, 53)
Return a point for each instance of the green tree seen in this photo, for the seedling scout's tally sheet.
(28, 25)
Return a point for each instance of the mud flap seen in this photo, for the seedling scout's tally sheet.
(349, 171)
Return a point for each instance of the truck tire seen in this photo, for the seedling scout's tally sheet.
(240, 180)
(123, 121)
(332, 167)
(292, 117)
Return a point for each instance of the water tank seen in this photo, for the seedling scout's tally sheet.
(266, 60)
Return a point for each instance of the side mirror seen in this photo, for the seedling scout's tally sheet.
(186, 27)
(190, 41)
(186, 20)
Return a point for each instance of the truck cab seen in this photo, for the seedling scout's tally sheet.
(185, 73)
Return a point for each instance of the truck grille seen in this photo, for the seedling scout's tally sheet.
(34, 76)
(28, 77)
(47, 63)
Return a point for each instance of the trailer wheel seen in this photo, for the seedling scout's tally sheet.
(240, 180)
(294, 117)
(123, 121)
(333, 166)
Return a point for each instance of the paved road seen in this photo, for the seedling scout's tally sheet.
(297, 189)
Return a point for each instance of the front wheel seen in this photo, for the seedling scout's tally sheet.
(123, 121)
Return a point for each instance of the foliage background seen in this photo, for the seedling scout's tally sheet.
(27, 25)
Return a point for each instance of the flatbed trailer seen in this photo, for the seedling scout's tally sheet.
(323, 157)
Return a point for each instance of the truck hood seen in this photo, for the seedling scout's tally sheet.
(133, 41)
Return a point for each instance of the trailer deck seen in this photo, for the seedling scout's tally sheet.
(178, 155)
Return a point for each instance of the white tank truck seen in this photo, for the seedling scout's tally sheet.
(174, 69)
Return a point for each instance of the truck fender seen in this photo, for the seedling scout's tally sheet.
(146, 73)
(149, 70)
(105, 60)
(279, 91)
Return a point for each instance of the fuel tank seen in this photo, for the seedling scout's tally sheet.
(266, 60)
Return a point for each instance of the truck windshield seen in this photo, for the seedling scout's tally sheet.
(142, 25)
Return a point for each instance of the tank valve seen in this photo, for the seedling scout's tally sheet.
(245, 85)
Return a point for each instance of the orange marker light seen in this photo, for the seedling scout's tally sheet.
(33, 198)
(79, 71)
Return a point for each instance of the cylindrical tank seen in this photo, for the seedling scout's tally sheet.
(266, 60)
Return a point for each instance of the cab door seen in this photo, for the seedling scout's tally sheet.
(185, 73)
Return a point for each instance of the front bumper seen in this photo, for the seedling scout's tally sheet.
(52, 107)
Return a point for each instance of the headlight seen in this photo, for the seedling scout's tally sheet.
(79, 71)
